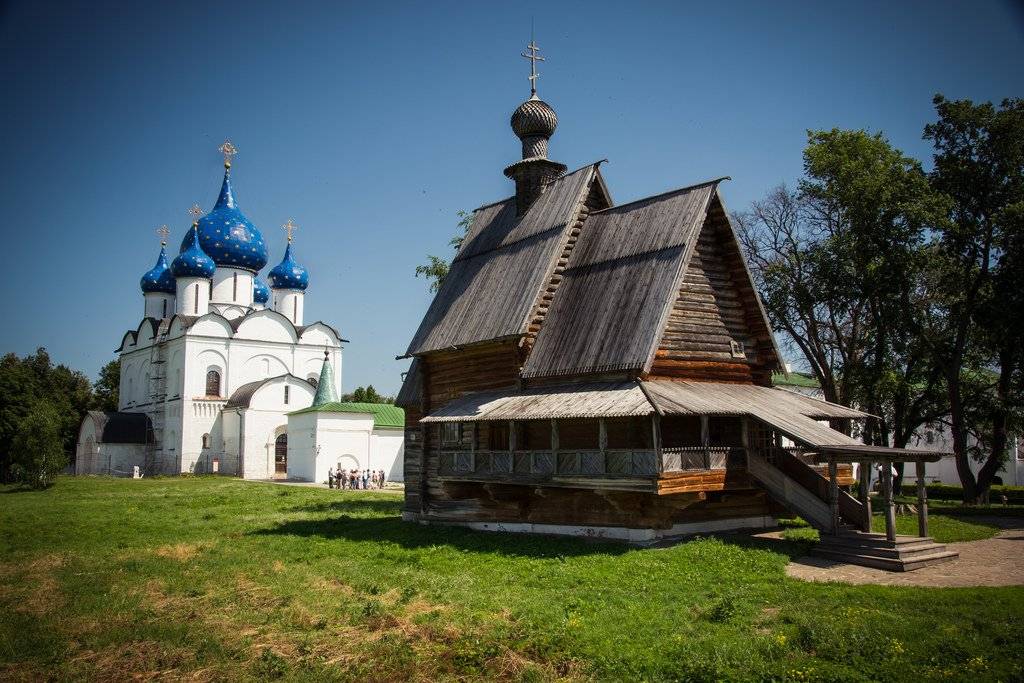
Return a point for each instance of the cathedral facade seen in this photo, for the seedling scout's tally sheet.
(218, 360)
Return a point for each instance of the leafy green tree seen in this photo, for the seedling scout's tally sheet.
(367, 395)
(37, 448)
(979, 165)
(106, 388)
(33, 380)
(436, 268)
(841, 264)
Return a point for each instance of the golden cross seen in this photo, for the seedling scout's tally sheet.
(196, 212)
(163, 232)
(228, 150)
(289, 228)
(534, 58)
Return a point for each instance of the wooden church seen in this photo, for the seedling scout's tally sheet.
(605, 370)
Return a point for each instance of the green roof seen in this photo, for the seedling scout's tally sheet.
(795, 379)
(384, 414)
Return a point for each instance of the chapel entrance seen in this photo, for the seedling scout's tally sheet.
(281, 457)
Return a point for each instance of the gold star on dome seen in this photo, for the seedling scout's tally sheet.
(228, 150)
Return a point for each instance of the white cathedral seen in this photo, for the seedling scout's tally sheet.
(218, 364)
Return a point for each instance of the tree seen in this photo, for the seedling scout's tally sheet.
(37, 449)
(107, 387)
(979, 165)
(28, 382)
(367, 395)
(436, 268)
(841, 266)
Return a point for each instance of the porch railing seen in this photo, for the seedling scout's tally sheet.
(540, 464)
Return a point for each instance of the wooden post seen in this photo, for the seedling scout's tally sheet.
(656, 441)
(890, 507)
(705, 439)
(512, 437)
(865, 495)
(922, 501)
(554, 438)
(745, 437)
(602, 444)
(833, 493)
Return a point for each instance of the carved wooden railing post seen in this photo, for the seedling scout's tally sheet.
(922, 501)
(656, 441)
(745, 437)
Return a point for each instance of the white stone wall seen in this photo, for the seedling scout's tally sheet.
(290, 303)
(159, 305)
(343, 438)
(193, 296)
(267, 418)
(232, 286)
(387, 452)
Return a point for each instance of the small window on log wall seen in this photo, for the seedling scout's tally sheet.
(738, 350)
(451, 433)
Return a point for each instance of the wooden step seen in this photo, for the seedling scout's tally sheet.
(888, 563)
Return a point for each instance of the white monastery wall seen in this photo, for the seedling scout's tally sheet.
(387, 448)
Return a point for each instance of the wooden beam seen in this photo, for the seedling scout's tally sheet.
(705, 440)
(865, 494)
(833, 495)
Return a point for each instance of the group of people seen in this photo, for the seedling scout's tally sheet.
(355, 479)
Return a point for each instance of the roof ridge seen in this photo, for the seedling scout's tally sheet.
(662, 194)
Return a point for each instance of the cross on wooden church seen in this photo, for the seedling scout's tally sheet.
(534, 58)
(289, 228)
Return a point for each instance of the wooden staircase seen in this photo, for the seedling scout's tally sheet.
(790, 483)
(904, 554)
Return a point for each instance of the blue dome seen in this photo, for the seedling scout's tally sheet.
(228, 236)
(260, 291)
(159, 277)
(192, 261)
(288, 274)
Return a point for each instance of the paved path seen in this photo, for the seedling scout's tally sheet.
(997, 561)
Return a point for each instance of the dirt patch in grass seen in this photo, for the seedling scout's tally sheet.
(182, 552)
(142, 660)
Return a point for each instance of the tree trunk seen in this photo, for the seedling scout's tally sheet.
(958, 430)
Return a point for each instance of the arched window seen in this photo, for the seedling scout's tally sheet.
(206, 440)
(287, 393)
(213, 383)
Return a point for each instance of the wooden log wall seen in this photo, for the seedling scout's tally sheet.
(715, 306)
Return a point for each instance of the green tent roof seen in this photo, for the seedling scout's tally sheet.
(384, 414)
(795, 379)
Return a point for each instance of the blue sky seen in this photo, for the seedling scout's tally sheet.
(371, 124)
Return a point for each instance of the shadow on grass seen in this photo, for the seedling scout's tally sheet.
(412, 536)
(352, 505)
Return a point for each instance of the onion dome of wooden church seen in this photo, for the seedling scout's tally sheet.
(534, 117)
(193, 261)
(288, 274)
(159, 278)
(260, 290)
(225, 234)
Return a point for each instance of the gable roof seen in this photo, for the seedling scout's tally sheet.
(385, 415)
(496, 276)
(621, 280)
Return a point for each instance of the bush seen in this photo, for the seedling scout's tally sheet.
(37, 449)
(1014, 494)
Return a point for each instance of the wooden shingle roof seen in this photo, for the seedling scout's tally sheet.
(494, 280)
(620, 283)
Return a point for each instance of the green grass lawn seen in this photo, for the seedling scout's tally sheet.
(944, 527)
(213, 579)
